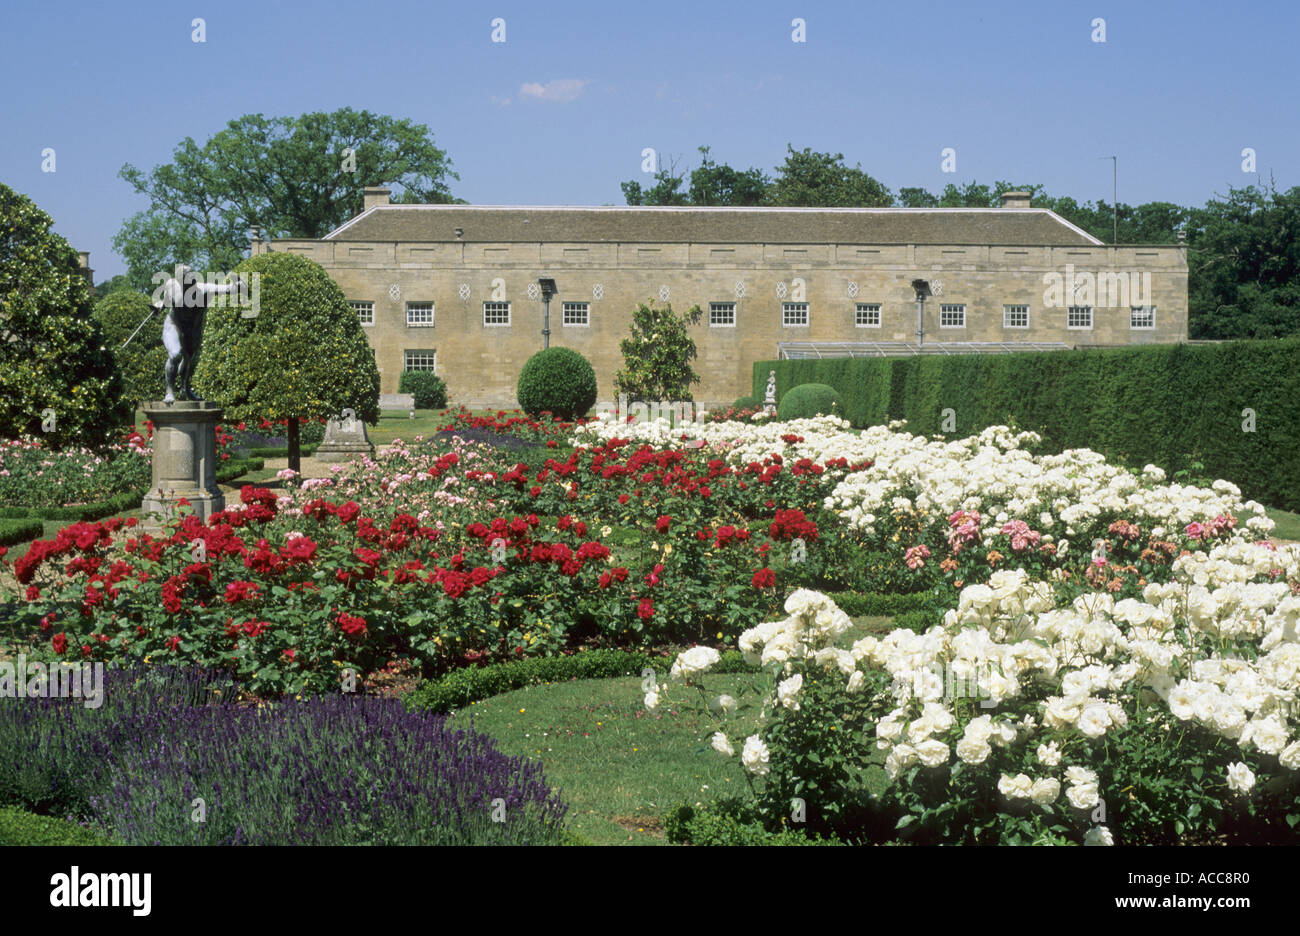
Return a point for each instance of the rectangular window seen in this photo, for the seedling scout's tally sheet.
(722, 314)
(1142, 317)
(1015, 316)
(952, 316)
(867, 315)
(365, 311)
(421, 360)
(1079, 317)
(496, 313)
(419, 314)
(576, 313)
(794, 313)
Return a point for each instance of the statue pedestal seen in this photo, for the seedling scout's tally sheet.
(344, 438)
(184, 460)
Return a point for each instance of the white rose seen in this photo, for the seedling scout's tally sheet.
(1083, 795)
(693, 661)
(755, 756)
(932, 753)
(1080, 775)
(1290, 757)
(722, 745)
(652, 700)
(1045, 791)
(1094, 720)
(1240, 778)
(723, 703)
(978, 730)
(1099, 835)
(788, 691)
(973, 752)
(1017, 787)
(1049, 754)
(856, 682)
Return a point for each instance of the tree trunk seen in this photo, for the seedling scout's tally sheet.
(295, 445)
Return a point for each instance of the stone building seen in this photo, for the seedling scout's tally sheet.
(454, 288)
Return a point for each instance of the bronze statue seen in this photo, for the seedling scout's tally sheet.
(185, 297)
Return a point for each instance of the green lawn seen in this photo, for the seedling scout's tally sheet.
(620, 767)
(1288, 524)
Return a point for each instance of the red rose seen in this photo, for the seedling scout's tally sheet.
(60, 643)
(646, 609)
(662, 524)
(351, 625)
(763, 578)
(33, 593)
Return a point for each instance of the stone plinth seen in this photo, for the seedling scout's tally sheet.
(184, 460)
(344, 437)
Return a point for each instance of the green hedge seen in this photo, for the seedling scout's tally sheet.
(429, 390)
(473, 684)
(865, 604)
(724, 824)
(1169, 405)
(120, 503)
(20, 531)
(23, 828)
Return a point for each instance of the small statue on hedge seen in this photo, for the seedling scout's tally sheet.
(185, 297)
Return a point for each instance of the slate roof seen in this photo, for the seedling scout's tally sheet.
(1011, 227)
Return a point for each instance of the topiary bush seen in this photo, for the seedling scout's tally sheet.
(559, 381)
(807, 400)
(429, 390)
(746, 402)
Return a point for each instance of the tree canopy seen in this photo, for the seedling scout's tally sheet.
(287, 176)
(58, 380)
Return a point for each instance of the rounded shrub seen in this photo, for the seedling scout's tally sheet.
(746, 402)
(429, 390)
(559, 381)
(807, 400)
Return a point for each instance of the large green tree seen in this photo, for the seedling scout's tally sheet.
(287, 176)
(303, 356)
(58, 380)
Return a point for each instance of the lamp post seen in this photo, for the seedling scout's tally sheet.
(922, 290)
(549, 290)
(1114, 197)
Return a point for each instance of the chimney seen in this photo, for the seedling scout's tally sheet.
(1015, 199)
(374, 196)
(83, 261)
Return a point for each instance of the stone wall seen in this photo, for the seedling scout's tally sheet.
(481, 362)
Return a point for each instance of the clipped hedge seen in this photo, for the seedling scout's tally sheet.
(747, 402)
(473, 684)
(128, 500)
(20, 531)
(1169, 405)
(808, 400)
(867, 604)
(429, 390)
(559, 381)
(18, 827)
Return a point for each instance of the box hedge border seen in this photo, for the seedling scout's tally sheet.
(120, 503)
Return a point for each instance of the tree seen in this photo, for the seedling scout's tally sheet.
(133, 333)
(116, 284)
(713, 184)
(303, 356)
(657, 357)
(288, 176)
(822, 180)
(666, 190)
(1244, 260)
(57, 377)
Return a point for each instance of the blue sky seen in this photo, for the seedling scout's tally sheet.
(560, 112)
